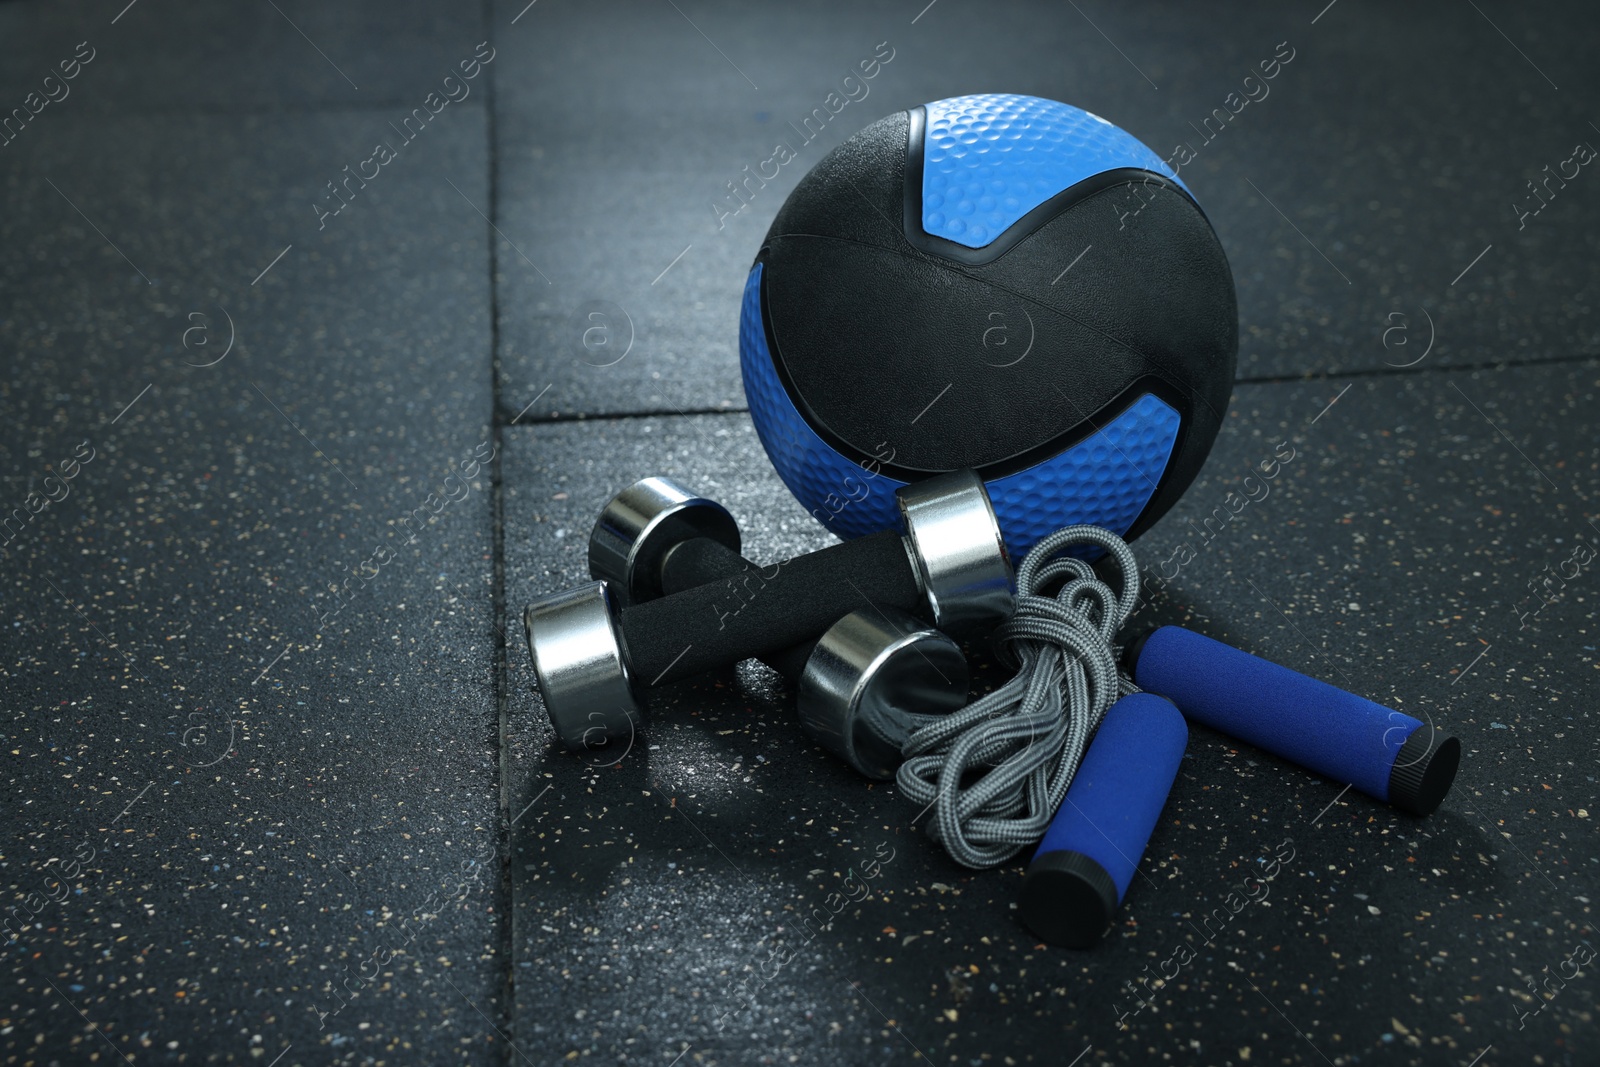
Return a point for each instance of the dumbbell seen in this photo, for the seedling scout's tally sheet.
(1384, 753)
(593, 654)
(858, 687)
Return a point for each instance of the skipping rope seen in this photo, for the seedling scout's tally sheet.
(995, 771)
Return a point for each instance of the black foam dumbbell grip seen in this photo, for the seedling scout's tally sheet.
(702, 561)
(713, 616)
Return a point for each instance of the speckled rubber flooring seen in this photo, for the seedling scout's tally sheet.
(279, 791)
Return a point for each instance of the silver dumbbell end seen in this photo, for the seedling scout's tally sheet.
(958, 552)
(641, 523)
(572, 638)
(865, 677)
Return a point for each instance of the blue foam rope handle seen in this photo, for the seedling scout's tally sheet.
(1105, 479)
(988, 160)
(1322, 728)
(1120, 788)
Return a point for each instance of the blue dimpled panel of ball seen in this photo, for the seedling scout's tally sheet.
(989, 160)
(1105, 479)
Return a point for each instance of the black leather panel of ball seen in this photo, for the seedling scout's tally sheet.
(868, 338)
(856, 192)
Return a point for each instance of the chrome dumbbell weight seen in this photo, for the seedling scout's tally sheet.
(594, 656)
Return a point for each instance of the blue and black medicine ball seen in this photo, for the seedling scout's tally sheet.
(998, 282)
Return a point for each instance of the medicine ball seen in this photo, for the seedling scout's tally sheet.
(998, 282)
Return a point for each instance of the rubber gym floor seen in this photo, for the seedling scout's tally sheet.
(278, 787)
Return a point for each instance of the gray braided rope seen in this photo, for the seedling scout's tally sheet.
(995, 771)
